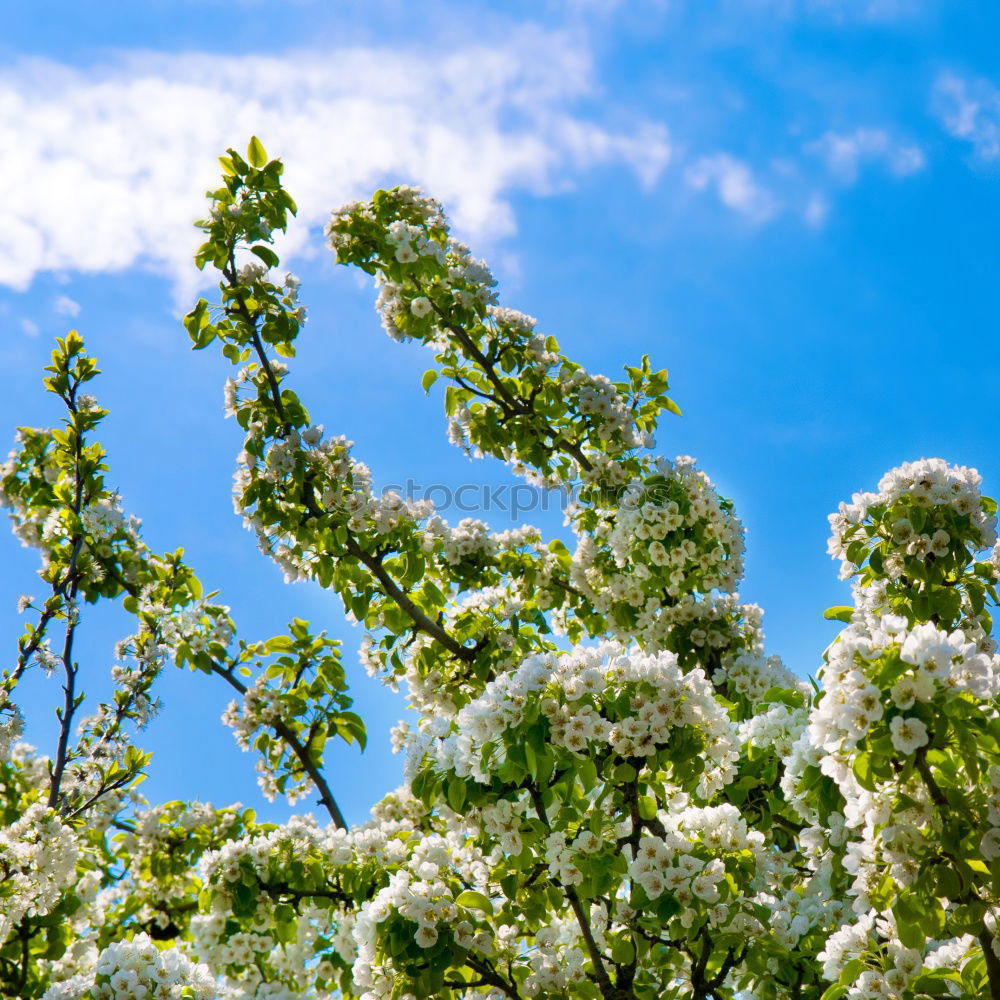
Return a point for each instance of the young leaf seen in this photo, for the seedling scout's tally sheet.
(256, 153)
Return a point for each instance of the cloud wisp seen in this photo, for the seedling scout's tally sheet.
(844, 153)
(735, 185)
(751, 191)
(65, 306)
(970, 110)
(108, 167)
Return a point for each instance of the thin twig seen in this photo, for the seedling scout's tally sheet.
(315, 775)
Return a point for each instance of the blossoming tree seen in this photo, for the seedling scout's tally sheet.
(612, 792)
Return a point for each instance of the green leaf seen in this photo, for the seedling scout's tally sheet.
(430, 377)
(204, 337)
(473, 900)
(840, 613)
(647, 807)
(256, 153)
(910, 935)
(530, 760)
(933, 920)
(949, 885)
(456, 793)
(862, 768)
(625, 772)
(267, 255)
(587, 773)
(622, 951)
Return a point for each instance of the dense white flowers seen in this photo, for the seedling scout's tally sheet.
(137, 970)
(943, 663)
(904, 497)
(38, 857)
(570, 690)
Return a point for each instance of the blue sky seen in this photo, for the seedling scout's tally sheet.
(792, 204)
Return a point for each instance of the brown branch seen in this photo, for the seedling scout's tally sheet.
(100, 793)
(630, 796)
(66, 719)
(732, 959)
(923, 769)
(284, 889)
(372, 563)
(325, 795)
(491, 977)
(509, 402)
(229, 274)
(600, 972)
(611, 992)
(419, 619)
(699, 965)
(985, 937)
(992, 963)
(69, 604)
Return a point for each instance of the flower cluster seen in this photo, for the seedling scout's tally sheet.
(471, 539)
(918, 666)
(105, 521)
(925, 512)
(137, 970)
(689, 863)
(11, 725)
(646, 560)
(38, 858)
(575, 692)
(433, 290)
(196, 626)
(884, 769)
(898, 965)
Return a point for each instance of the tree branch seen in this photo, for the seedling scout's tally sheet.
(509, 401)
(992, 963)
(229, 273)
(491, 977)
(419, 619)
(372, 563)
(69, 606)
(611, 992)
(315, 775)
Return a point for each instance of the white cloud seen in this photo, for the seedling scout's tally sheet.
(734, 184)
(844, 153)
(30, 327)
(970, 110)
(816, 211)
(107, 168)
(66, 306)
